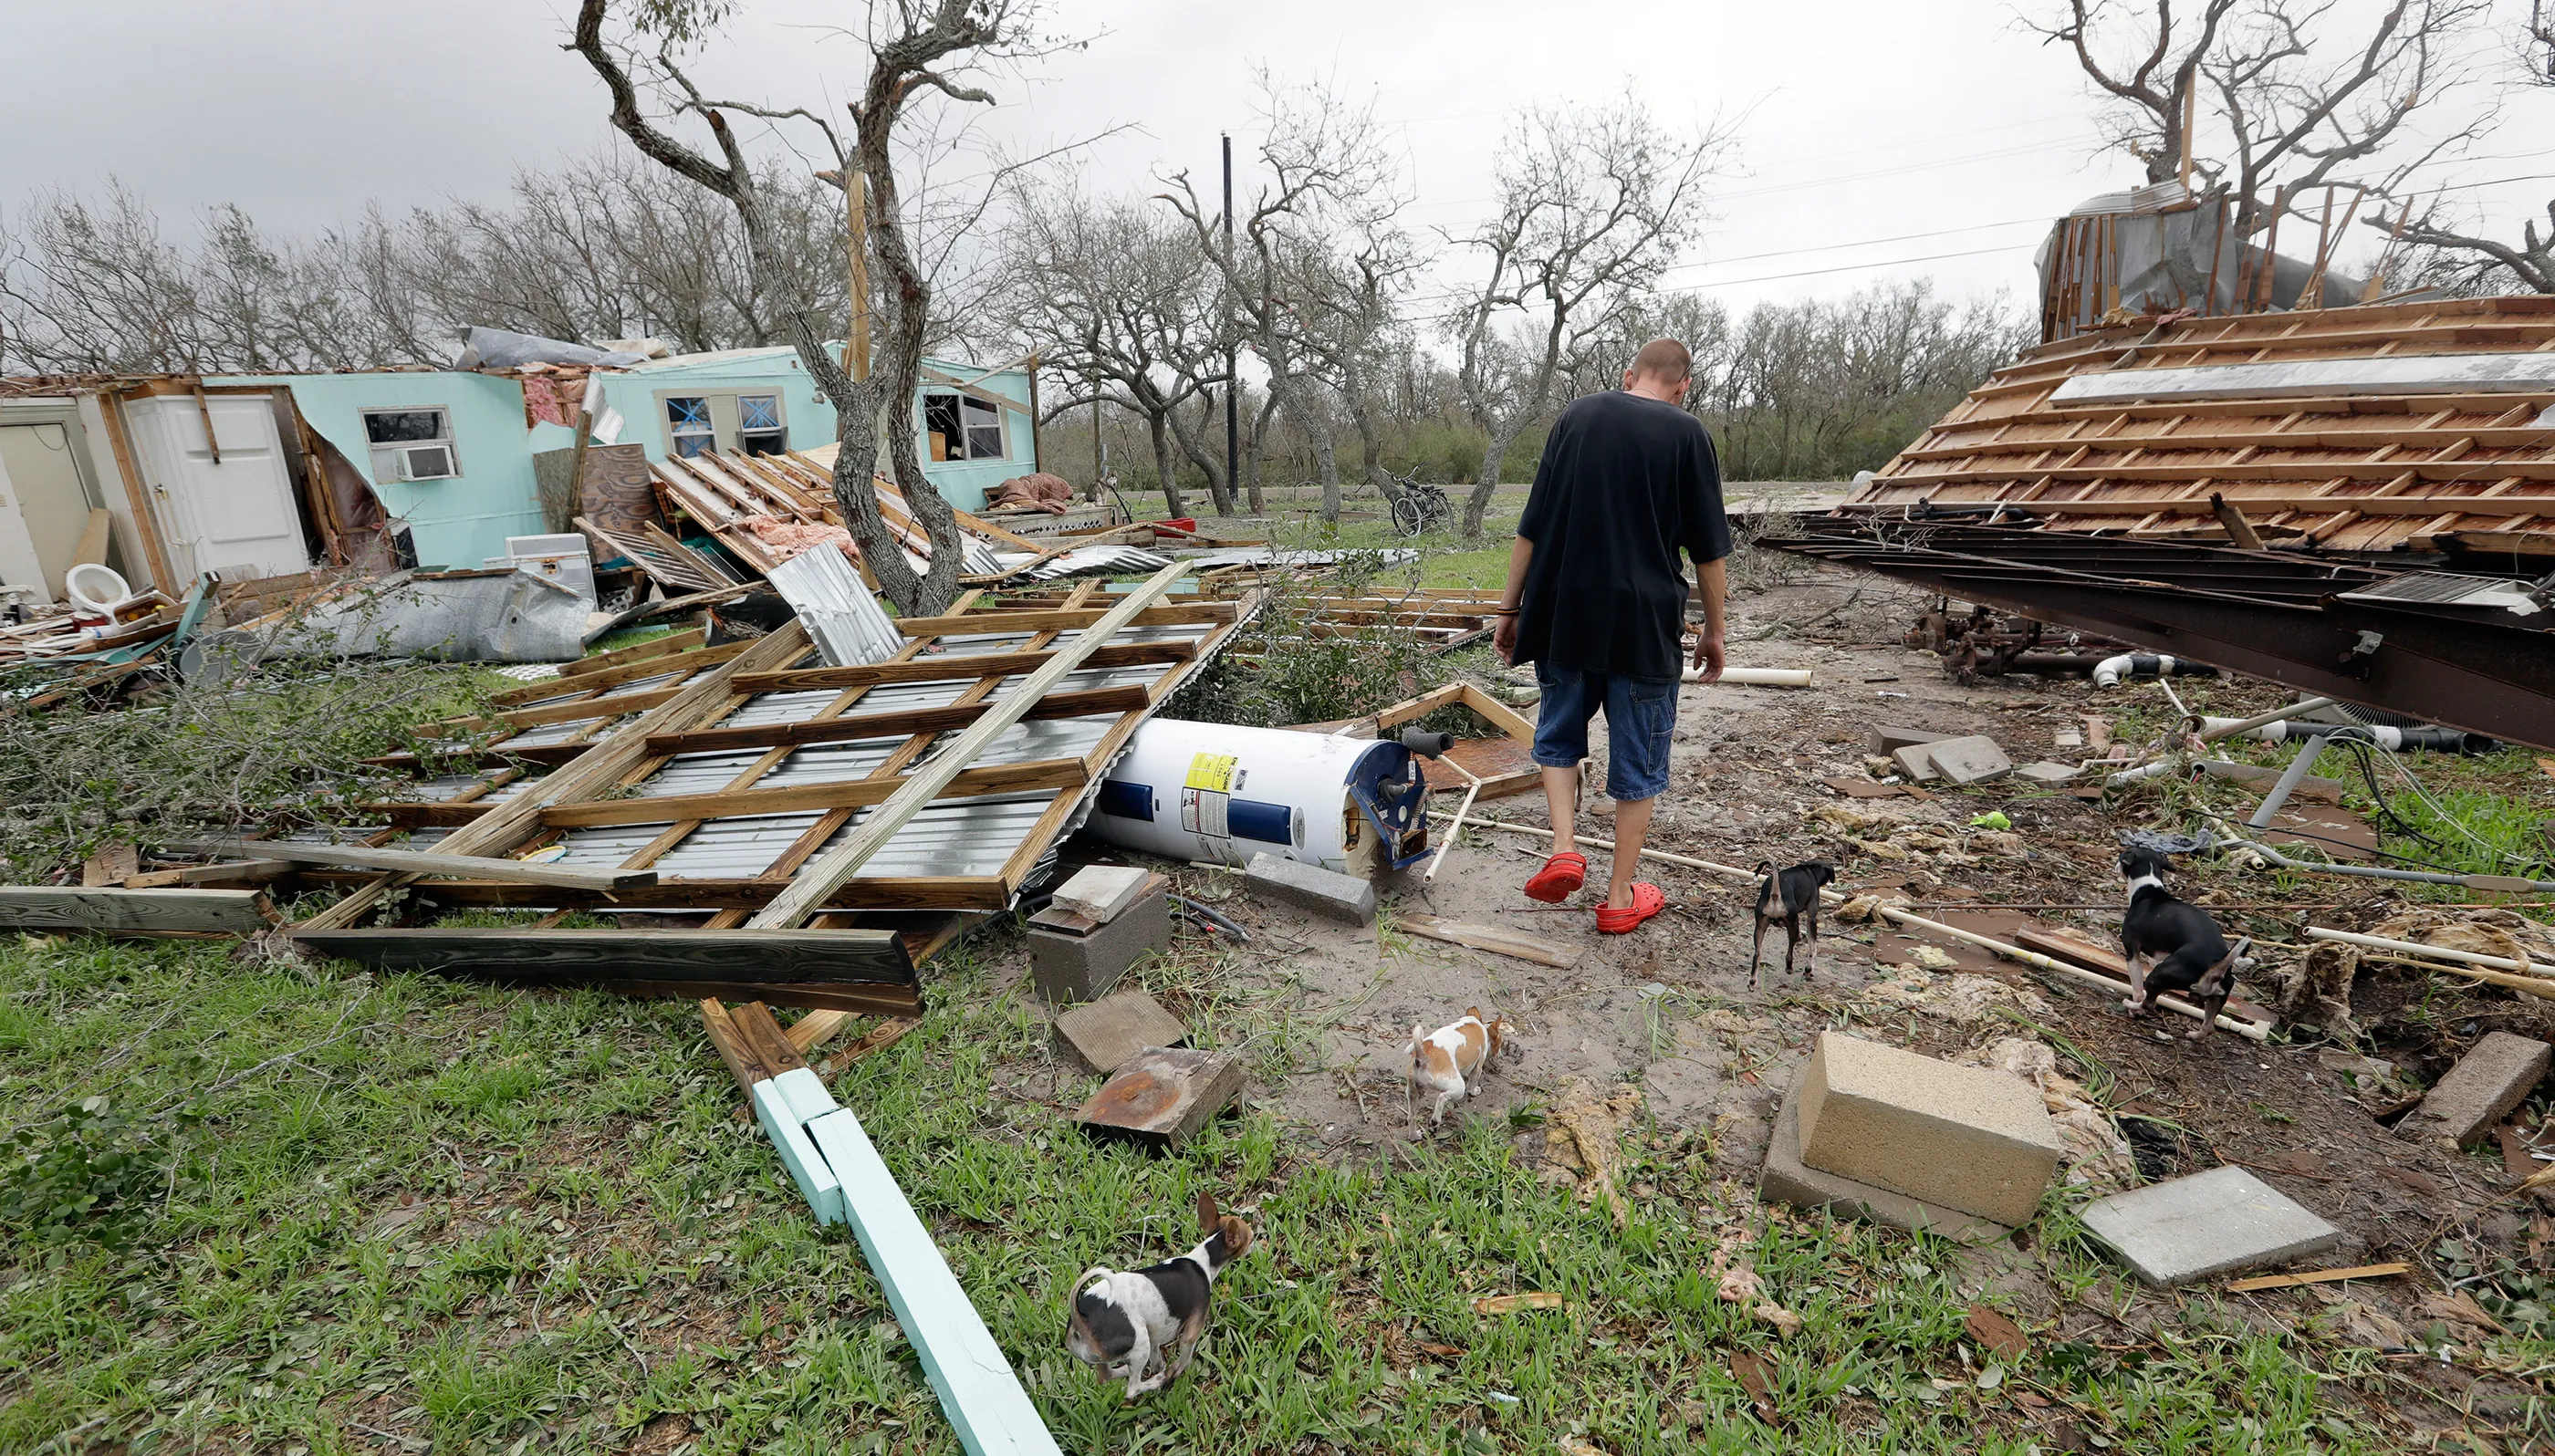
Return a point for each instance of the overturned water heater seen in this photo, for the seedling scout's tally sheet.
(1218, 793)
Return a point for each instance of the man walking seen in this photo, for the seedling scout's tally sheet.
(1596, 600)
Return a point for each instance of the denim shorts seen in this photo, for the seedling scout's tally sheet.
(1640, 719)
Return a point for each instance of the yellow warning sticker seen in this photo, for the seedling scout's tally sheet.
(1212, 771)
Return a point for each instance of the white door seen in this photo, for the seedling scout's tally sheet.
(239, 517)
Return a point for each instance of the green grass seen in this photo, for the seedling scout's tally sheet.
(600, 1250)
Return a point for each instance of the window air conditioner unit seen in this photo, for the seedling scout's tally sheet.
(425, 462)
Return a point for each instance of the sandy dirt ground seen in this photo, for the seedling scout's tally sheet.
(1670, 1010)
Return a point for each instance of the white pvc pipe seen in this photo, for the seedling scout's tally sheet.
(1758, 677)
(2441, 952)
(2214, 729)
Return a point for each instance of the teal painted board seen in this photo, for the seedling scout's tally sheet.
(804, 1093)
(978, 1389)
(814, 1176)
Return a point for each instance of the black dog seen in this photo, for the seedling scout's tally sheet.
(1790, 896)
(2172, 945)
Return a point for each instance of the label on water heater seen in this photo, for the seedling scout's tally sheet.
(1209, 788)
(1202, 813)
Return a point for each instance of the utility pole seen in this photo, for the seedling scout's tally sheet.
(1232, 380)
(856, 231)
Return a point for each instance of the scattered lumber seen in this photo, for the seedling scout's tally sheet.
(2318, 1277)
(414, 862)
(1492, 938)
(125, 912)
(778, 956)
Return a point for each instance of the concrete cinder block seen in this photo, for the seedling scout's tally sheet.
(1976, 758)
(1328, 892)
(1886, 739)
(2213, 1223)
(1107, 1034)
(1099, 892)
(1915, 763)
(1069, 968)
(1788, 1179)
(2495, 1075)
(1961, 1138)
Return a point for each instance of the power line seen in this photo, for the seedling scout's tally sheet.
(1865, 243)
(1697, 288)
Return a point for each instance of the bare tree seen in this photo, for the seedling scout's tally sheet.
(2447, 250)
(1329, 177)
(1594, 204)
(1116, 297)
(914, 45)
(2294, 108)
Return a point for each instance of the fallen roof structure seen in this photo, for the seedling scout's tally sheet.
(2451, 649)
(2414, 426)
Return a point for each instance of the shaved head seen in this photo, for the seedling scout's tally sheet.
(1665, 361)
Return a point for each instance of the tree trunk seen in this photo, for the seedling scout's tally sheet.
(1193, 443)
(1162, 460)
(1478, 504)
(1370, 440)
(1317, 430)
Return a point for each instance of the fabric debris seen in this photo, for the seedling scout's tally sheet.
(1961, 998)
(788, 538)
(1038, 491)
(1582, 1132)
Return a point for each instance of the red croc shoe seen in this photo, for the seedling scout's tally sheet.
(1559, 879)
(1647, 900)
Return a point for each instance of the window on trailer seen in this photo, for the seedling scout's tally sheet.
(984, 429)
(758, 428)
(410, 444)
(960, 426)
(687, 421)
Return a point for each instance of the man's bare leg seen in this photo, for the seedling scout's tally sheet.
(1561, 801)
(1631, 827)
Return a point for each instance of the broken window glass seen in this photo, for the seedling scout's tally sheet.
(405, 427)
(943, 431)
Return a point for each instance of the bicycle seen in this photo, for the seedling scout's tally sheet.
(1418, 507)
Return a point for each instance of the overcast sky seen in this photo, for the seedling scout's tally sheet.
(1870, 132)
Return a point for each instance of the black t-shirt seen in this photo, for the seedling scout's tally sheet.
(1625, 481)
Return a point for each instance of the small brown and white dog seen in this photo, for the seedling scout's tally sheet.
(1125, 1322)
(1449, 1060)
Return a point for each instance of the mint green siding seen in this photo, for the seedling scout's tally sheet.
(464, 520)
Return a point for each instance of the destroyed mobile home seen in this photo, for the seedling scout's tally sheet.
(795, 802)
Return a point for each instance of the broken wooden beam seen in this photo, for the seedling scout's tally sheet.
(413, 862)
(778, 956)
(134, 911)
(1492, 938)
(955, 666)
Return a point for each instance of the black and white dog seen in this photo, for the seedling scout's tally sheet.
(1125, 1322)
(1789, 896)
(2171, 944)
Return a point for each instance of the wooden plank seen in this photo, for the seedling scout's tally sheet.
(730, 1045)
(778, 956)
(655, 646)
(871, 893)
(451, 866)
(879, 999)
(828, 872)
(133, 912)
(229, 872)
(2318, 1277)
(901, 723)
(2431, 505)
(112, 865)
(968, 1370)
(1163, 1095)
(952, 667)
(1179, 614)
(736, 804)
(1492, 938)
(609, 677)
(772, 1047)
(91, 550)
